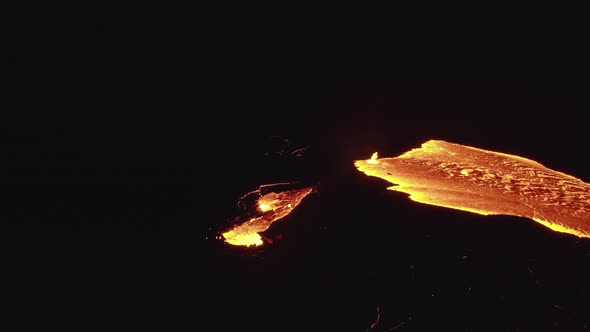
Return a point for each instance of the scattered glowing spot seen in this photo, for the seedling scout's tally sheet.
(488, 183)
(465, 172)
(264, 207)
(268, 202)
(373, 159)
(271, 207)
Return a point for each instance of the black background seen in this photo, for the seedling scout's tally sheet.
(114, 194)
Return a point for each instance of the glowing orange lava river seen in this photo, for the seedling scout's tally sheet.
(486, 182)
(272, 204)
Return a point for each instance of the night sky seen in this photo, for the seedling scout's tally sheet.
(114, 194)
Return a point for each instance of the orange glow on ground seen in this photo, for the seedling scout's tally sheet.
(270, 207)
(486, 182)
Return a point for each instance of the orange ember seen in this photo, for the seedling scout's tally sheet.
(270, 208)
(486, 182)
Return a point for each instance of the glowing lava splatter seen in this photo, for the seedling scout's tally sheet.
(486, 182)
(272, 204)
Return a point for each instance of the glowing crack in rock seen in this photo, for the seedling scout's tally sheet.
(272, 204)
(486, 182)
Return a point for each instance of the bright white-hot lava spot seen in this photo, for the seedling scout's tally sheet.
(486, 182)
(270, 207)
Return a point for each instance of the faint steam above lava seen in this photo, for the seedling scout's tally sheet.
(486, 182)
(272, 202)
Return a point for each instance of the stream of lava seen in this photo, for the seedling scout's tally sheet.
(270, 207)
(486, 182)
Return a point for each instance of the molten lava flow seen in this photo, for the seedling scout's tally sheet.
(270, 207)
(486, 182)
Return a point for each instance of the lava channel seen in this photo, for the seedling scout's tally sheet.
(272, 202)
(486, 182)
